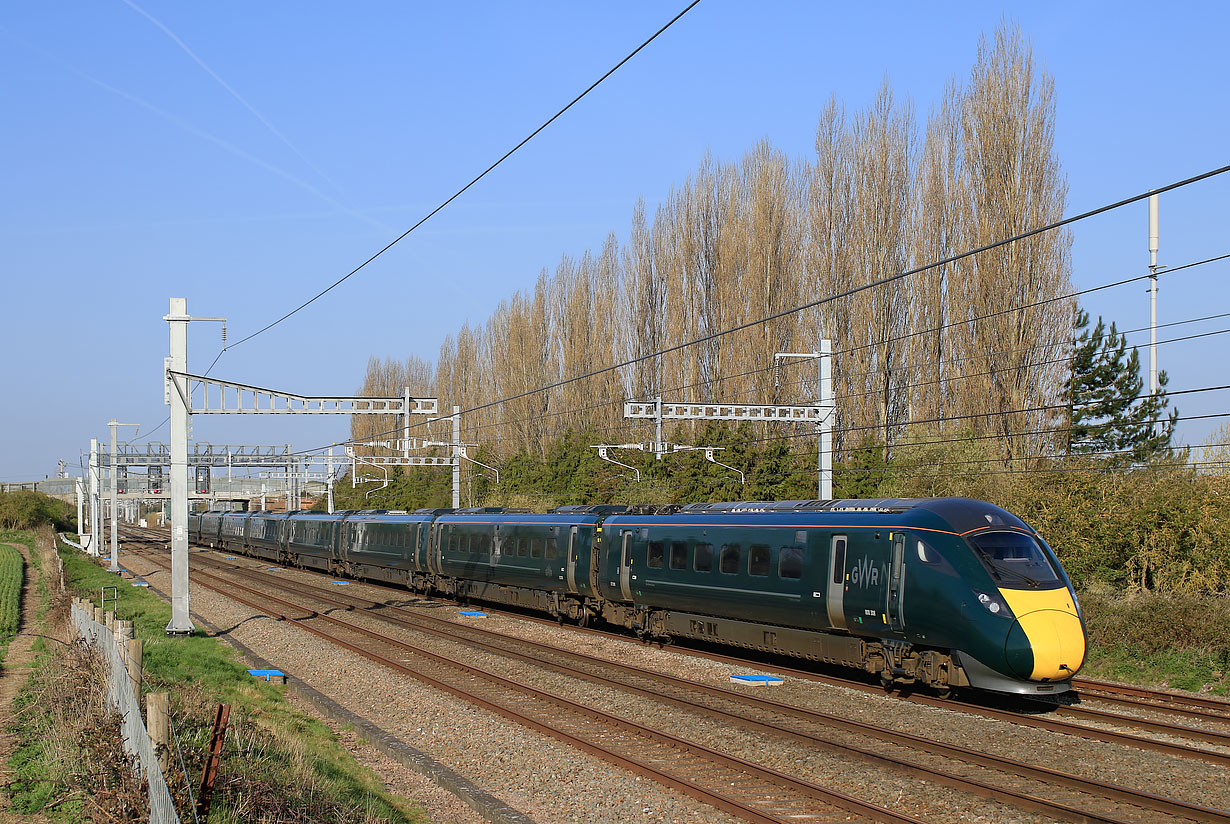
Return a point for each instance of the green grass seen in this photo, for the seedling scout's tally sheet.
(1178, 641)
(279, 759)
(12, 573)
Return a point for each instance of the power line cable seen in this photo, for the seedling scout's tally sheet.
(464, 188)
(850, 396)
(857, 289)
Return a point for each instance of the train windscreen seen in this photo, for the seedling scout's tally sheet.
(1015, 560)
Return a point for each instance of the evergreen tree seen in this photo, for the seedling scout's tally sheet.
(1108, 411)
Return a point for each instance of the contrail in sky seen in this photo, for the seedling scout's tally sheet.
(201, 133)
(196, 59)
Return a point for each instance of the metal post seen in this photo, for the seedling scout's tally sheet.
(177, 319)
(1153, 267)
(113, 424)
(456, 451)
(77, 487)
(657, 446)
(405, 428)
(329, 472)
(263, 507)
(95, 505)
(829, 410)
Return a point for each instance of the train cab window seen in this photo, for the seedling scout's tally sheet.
(730, 558)
(758, 560)
(484, 544)
(657, 555)
(523, 547)
(552, 550)
(679, 554)
(790, 562)
(702, 559)
(536, 548)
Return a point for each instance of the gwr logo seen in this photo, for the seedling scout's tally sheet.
(865, 573)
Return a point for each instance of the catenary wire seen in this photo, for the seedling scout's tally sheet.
(848, 396)
(466, 187)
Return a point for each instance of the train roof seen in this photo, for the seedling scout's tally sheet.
(839, 505)
(961, 515)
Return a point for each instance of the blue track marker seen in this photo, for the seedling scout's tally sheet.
(343, 583)
(757, 680)
(275, 569)
(267, 674)
(140, 583)
(472, 613)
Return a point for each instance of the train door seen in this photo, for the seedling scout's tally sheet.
(573, 549)
(625, 566)
(896, 583)
(868, 557)
(435, 549)
(836, 600)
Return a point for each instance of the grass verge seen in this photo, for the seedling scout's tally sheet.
(1178, 641)
(278, 765)
(12, 575)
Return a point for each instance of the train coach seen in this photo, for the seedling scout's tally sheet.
(947, 592)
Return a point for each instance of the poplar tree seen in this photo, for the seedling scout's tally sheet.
(1108, 412)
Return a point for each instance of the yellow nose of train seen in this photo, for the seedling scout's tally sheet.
(1047, 642)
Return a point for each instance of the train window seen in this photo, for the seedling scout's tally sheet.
(927, 553)
(758, 560)
(452, 541)
(790, 562)
(645, 534)
(679, 554)
(800, 537)
(657, 555)
(1018, 555)
(730, 558)
(702, 561)
(552, 551)
(536, 548)
(484, 545)
(839, 559)
(523, 546)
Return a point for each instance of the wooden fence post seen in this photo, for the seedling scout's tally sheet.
(158, 724)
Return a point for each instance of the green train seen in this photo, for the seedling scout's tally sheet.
(945, 592)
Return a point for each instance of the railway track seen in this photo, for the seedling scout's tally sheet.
(1030, 787)
(1042, 714)
(736, 786)
(1189, 706)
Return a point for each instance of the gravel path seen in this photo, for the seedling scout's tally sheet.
(550, 782)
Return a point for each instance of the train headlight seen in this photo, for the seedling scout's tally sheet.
(994, 605)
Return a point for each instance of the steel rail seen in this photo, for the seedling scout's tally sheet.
(1192, 706)
(1039, 722)
(404, 618)
(775, 779)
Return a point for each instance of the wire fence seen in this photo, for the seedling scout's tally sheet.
(137, 742)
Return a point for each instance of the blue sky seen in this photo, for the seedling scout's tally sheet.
(246, 155)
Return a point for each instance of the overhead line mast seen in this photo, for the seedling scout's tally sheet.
(1153, 267)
